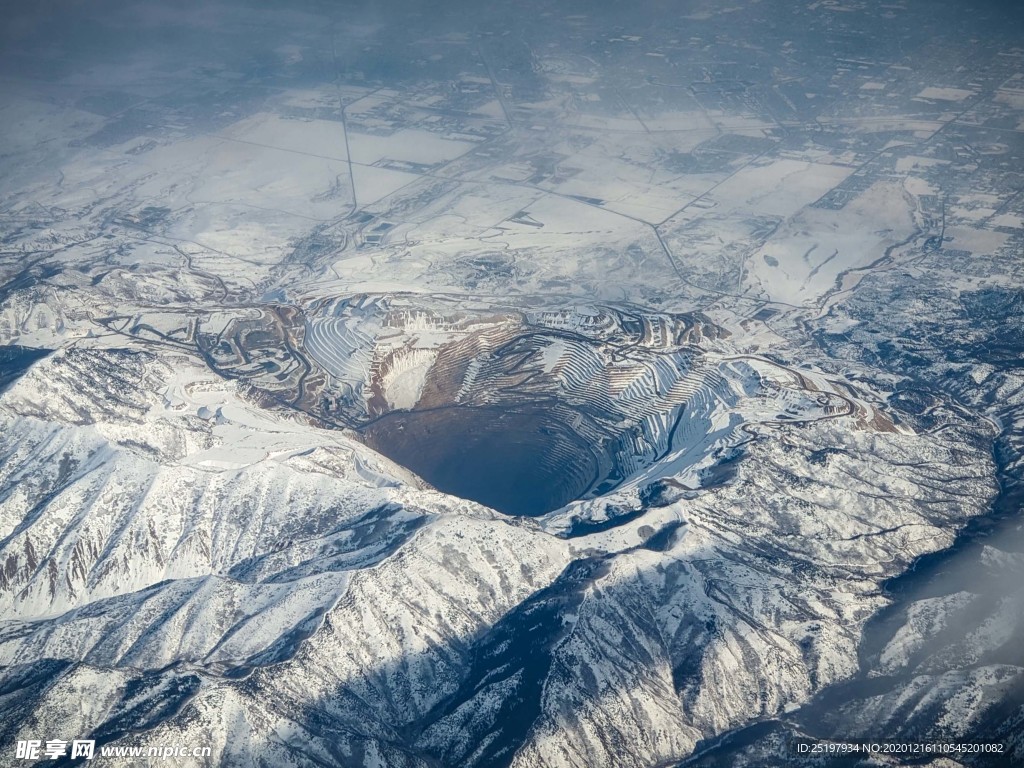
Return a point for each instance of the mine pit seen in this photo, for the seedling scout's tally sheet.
(524, 412)
(526, 418)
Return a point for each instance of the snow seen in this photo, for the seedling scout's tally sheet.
(778, 188)
(407, 376)
(945, 94)
(374, 183)
(803, 259)
(407, 144)
(323, 138)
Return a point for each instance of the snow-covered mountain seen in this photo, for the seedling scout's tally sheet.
(541, 385)
(216, 573)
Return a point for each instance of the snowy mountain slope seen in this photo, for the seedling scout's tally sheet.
(233, 577)
(125, 486)
(219, 544)
(941, 661)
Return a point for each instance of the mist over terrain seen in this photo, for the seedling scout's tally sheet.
(540, 384)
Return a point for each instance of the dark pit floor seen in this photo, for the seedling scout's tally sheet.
(15, 360)
(518, 461)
